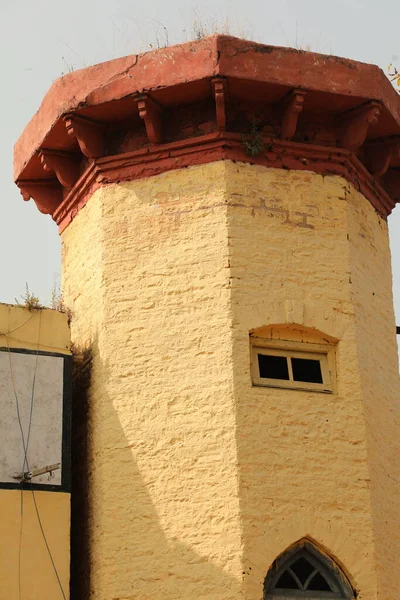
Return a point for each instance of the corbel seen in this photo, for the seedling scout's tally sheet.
(219, 87)
(378, 156)
(46, 193)
(151, 113)
(90, 134)
(64, 164)
(292, 106)
(355, 123)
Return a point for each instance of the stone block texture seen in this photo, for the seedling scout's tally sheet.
(197, 480)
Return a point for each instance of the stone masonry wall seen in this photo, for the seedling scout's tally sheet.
(310, 250)
(377, 351)
(145, 268)
(197, 480)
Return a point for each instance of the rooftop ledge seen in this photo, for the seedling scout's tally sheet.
(213, 99)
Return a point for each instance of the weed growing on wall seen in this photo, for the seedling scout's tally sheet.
(394, 77)
(253, 142)
(29, 300)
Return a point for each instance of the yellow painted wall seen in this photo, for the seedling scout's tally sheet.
(21, 328)
(21, 540)
(377, 354)
(38, 580)
(197, 481)
(146, 274)
(310, 250)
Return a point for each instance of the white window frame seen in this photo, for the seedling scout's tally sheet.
(325, 354)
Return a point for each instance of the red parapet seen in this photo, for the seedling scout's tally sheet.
(219, 98)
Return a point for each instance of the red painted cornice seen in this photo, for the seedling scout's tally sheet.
(210, 98)
(214, 147)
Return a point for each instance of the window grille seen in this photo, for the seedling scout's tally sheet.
(304, 572)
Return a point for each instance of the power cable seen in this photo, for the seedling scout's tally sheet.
(25, 460)
(19, 326)
(47, 545)
(20, 538)
(16, 401)
(32, 396)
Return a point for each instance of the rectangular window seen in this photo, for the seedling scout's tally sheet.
(296, 365)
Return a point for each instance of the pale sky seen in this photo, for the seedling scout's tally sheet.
(42, 39)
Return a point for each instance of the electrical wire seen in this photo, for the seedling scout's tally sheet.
(16, 401)
(23, 466)
(21, 526)
(25, 459)
(47, 545)
(25, 445)
(32, 396)
(19, 326)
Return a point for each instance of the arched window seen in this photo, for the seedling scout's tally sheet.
(304, 572)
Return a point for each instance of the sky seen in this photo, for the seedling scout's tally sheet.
(42, 39)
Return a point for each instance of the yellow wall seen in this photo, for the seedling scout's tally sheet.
(149, 287)
(21, 540)
(197, 481)
(21, 328)
(38, 580)
(316, 465)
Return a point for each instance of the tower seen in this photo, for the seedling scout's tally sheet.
(222, 207)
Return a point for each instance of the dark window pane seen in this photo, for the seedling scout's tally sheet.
(286, 582)
(319, 583)
(303, 569)
(273, 367)
(305, 369)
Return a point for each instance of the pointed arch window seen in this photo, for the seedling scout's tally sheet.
(304, 572)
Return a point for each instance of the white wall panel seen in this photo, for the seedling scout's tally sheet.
(26, 381)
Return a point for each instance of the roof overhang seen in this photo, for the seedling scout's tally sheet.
(216, 98)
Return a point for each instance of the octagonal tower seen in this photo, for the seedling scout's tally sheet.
(222, 207)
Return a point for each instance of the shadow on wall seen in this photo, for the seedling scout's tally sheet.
(80, 551)
(124, 541)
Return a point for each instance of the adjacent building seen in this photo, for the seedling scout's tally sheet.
(35, 392)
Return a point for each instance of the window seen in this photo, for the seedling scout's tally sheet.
(295, 365)
(304, 572)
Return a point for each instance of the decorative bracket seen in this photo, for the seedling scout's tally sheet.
(292, 106)
(47, 193)
(151, 113)
(64, 165)
(90, 134)
(219, 87)
(379, 155)
(356, 122)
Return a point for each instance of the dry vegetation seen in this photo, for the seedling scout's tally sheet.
(394, 77)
